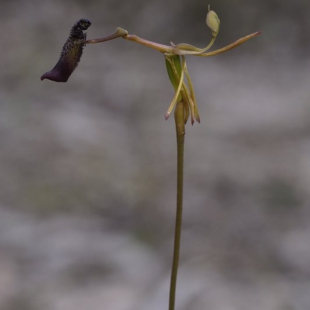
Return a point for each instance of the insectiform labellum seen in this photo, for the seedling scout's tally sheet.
(71, 53)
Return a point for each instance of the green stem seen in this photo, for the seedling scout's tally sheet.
(180, 133)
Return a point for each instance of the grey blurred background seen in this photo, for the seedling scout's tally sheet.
(87, 168)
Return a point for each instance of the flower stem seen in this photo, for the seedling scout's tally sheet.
(180, 133)
(157, 46)
(230, 46)
(119, 32)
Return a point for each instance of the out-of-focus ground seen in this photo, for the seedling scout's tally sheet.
(87, 168)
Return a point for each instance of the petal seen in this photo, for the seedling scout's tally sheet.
(70, 55)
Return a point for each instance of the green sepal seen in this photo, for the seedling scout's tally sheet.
(173, 65)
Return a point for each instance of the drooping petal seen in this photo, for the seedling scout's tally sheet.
(192, 96)
(176, 75)
(174, 68)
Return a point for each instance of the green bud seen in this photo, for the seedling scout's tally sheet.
(213, 22)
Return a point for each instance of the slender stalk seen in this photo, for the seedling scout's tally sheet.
(187, 49)
(156, 46)
(119, 32)
(230, 46)
(180, 133)
(180, 49)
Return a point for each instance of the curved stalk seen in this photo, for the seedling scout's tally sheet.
(230, 46)
(188, 49)
(180, 134)
(156, 46)
(119, 33)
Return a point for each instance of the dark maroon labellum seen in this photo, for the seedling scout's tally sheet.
(71, 53)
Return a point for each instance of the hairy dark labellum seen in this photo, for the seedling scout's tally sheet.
(71, 53)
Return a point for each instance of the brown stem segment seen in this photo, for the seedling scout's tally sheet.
(119, 32)
(230, 46)
(180, 133)
(157, 46)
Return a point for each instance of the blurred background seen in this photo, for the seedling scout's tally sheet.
(87, 167)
